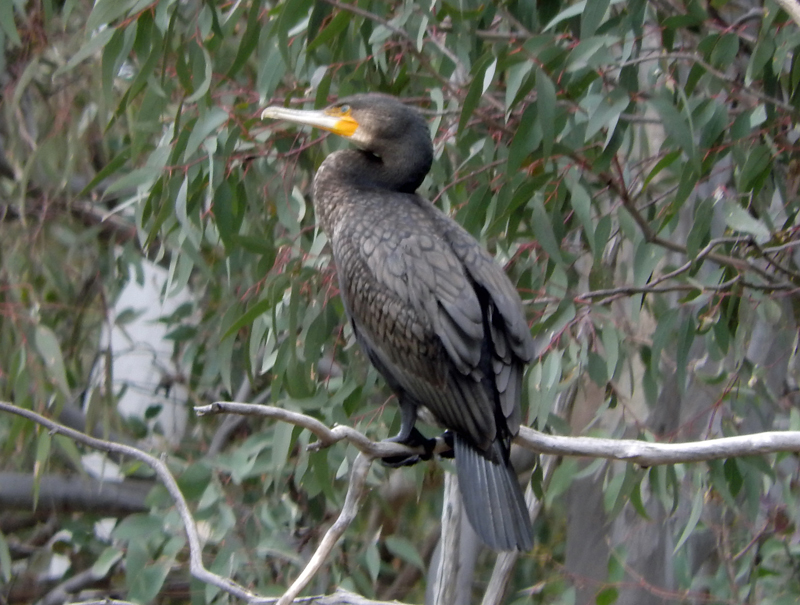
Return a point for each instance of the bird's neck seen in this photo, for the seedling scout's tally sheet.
(346, 172)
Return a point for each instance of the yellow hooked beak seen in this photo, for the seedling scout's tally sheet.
(334, 119)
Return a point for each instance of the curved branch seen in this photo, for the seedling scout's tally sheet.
(196, 566)
(326, 436)
(628, 450)
(644, 453)
(355, 493)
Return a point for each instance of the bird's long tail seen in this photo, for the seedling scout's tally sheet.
(493, 498)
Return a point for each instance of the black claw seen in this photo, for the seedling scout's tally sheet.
(399, 461)
(413, 439)
(448, 437)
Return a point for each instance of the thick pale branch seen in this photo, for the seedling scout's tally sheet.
(643, 453)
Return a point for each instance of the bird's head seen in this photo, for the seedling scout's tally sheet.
(371, 121)
(396, 149)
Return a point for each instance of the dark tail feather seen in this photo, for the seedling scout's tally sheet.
(492, 498)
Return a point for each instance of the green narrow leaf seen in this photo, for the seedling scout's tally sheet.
(755, 166)
(732, 476)
(546, 102)
(106, 560)
(115, 164)
(203, 127)
(488, 75)
(290, 14)
(685, 340)
(611, 346)
(475, 91)
(607, 596)
(68, 448)
(42, 452)
(645, 261)
(48, 347)
(739, 219)
(257, 309)
(5, 558)
(515, 75)
(8, 25)
(526, 139)
(335, 27)
(372, 558)
(205, 84)
(111, 52)
(404, 549)
(637, 503)
(694, 517)
(106, 11)
(592, 16)
(543, 228)
(607, 112)
(146, 585)
(572, 11)
(677, 126)
(249, 40)
(582, 205)
(664, 162)
(700, 232)
(281, 444)
(725, 51)
(98, 41)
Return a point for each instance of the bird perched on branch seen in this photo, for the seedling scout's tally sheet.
(434, 313)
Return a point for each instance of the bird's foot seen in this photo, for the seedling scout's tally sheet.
(448, 438)
(413, 439)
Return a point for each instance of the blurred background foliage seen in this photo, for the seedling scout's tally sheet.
(632, 164)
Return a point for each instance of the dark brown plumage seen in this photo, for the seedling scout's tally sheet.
(435, 314)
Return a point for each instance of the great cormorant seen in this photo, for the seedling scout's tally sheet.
(434, 313)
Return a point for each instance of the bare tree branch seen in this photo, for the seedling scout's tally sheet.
(446, 575)
(196, 566)
(639, 452)
(645, 453)
(355, 493)
(71, 493)
(326, 436)
(60, 594)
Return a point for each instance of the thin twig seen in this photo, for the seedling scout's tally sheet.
(613, 293)
(326, 436)
(355, 493)
(679, 56)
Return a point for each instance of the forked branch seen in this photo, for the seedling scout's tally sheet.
(643, 453)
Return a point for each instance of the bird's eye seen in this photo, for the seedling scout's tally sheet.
(345, 109)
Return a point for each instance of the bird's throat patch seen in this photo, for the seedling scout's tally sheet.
(345, 127)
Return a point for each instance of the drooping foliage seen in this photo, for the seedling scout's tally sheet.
(632, 164)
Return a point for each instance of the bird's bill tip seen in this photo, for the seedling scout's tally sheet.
(343, 125)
